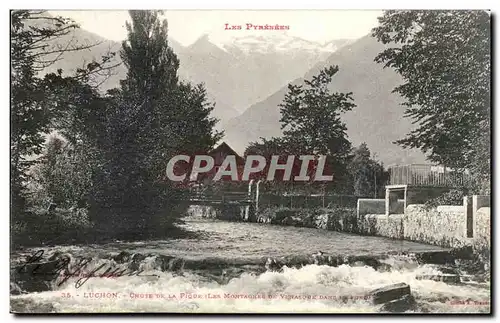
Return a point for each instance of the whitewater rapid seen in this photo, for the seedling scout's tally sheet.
(311, 288)
(245, 286)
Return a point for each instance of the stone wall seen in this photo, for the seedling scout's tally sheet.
(224, 212)
(382, 225)
(452, 226)
(203, 211)
(482, 230)
(445, 226)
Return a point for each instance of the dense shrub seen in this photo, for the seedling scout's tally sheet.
(52, 227)
(452, 197)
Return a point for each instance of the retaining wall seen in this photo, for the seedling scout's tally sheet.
(445, 226)
(382, 225)
(482, 229)
(453, 226)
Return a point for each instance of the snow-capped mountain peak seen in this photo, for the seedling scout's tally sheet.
(269, 43)
(279, 43)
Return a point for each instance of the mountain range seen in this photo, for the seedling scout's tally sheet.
(377, 119)
(236, 73)
(247, 78)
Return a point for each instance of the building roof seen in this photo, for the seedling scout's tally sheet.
(225, 149)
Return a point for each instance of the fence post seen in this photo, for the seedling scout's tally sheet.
(469, 213)
(250, 188)
(257, 192)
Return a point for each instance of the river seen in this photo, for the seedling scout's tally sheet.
(222, 269)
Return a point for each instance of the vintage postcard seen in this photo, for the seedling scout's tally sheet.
(221, 161)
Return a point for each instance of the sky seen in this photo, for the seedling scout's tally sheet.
(186, 26)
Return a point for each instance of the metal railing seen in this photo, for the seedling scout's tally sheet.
(427, 175)
(223, 197)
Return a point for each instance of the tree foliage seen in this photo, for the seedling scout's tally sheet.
(311, 116)
(41, 103)
(30, 108)
(110, 151)
(151, 118)
(444, 59)
(311, 119)
(368, 175)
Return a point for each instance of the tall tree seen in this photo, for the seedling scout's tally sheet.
(180, 111)
(151, 118)
(30, 33)
(368, 175)
(311, 116)
(444, 59)
(312, 124)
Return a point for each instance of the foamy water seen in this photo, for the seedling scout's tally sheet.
(311, 288)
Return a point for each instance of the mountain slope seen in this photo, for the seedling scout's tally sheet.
(377, 119)
(246, 70)
(234, 76)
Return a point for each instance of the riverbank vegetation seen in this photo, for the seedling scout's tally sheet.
(87, 164)
(332, 217)
(444, 60)
(312, 124)
(100, 169)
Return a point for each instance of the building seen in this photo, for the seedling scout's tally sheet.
(219, 154)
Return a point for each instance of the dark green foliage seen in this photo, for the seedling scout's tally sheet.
(150, 119)
(311, 120)
(341, 218)
(152, 65)
(312, 125)
(368, 175)
(37, 101)
(28, 117)
(311, 117)
(63, 175)
(106, 165)
(55, 227)
(444, 59)
(267, 148)
(452, 197)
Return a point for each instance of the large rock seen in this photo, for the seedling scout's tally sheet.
(30, 306)
(399, 305)
(436, 257)
(389, 293)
